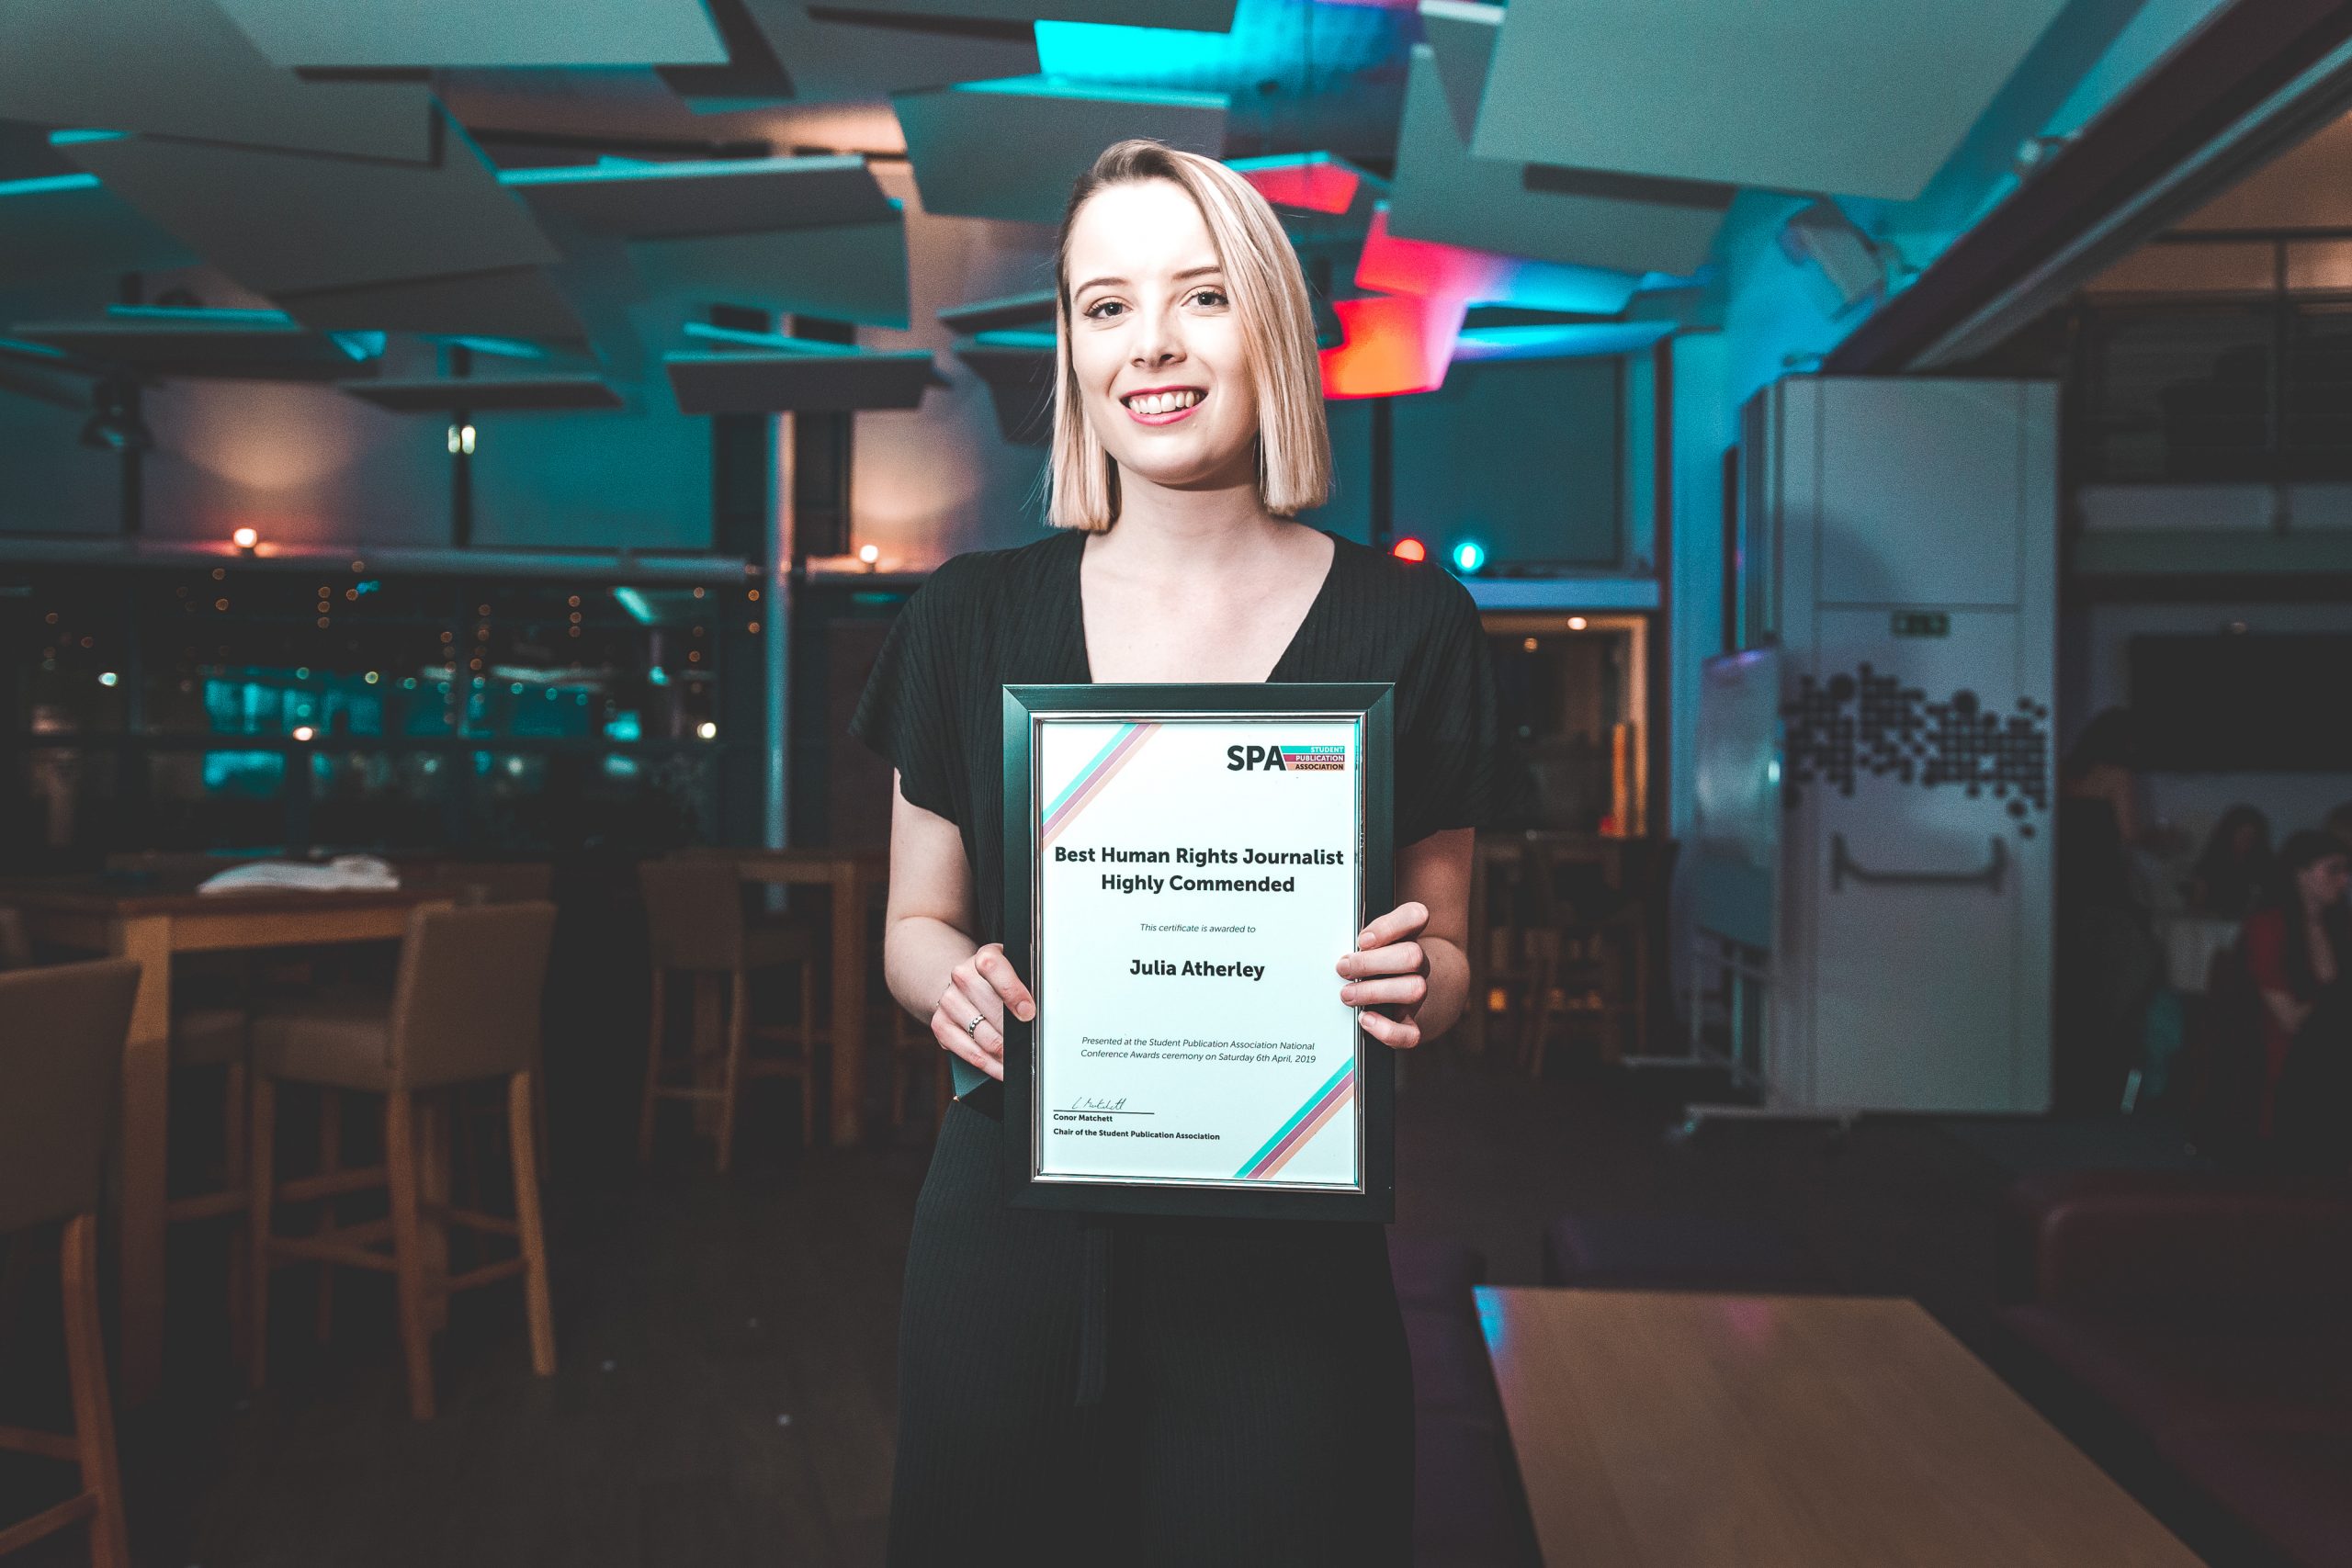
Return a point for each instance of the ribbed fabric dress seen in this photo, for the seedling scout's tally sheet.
(1141, 1390)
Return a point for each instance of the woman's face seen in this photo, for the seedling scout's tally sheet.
(2325, 880)
(1154, 341)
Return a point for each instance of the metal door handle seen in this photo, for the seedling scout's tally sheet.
(1842, 866)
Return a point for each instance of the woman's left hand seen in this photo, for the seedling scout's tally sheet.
(1388, 977)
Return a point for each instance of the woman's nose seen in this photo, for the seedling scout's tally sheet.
(1159, 337)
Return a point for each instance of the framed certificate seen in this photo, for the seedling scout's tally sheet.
(1183, 868)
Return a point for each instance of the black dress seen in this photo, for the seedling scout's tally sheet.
(1141, 1390)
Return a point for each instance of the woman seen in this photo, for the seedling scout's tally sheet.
(2295, 949)
(1128, 1389)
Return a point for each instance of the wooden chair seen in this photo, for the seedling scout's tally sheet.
(694, 915)
(465, 1009)
(61, 1057)
(914, 1052)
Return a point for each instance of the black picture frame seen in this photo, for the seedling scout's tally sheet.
(1372, 704)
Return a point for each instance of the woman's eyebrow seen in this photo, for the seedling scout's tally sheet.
(1203, 271)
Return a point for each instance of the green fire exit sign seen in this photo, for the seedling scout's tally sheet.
(1922, 623)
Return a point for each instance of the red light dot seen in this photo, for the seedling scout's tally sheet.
(1411, 550)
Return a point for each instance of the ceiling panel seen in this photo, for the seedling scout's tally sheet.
(486, 394)
(514, 302)
(832, 55)
(1853, 97)
(62, 224)
(286, 221)
(854, 273)
(181, 68)
(732, 382)
(512, 32)
(1462, 33)
(1555, 215)
(1197, 15)
(1011, 150)
(728, 196)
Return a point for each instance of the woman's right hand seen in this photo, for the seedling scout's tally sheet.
(981, 988)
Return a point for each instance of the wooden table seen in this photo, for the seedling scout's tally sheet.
(95, 914)
(850, 873)
(1788, 1432)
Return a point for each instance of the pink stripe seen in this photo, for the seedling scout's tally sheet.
(1305, 1131)
(1093, 786)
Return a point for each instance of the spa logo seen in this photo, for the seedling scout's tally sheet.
(1286, 759)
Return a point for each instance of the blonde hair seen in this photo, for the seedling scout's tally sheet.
(1269, 298)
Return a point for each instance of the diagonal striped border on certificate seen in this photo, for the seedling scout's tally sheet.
(1296, 1132)
(1115, 754)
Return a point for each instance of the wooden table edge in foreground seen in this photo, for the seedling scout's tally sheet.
(1686, 1431)
(151, 928)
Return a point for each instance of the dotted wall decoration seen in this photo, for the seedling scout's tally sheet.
(1867, 723)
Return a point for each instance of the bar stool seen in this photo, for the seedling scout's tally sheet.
(464, 1008)
(61, 1058)
(694, 915)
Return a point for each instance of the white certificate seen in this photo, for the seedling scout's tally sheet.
(1195, 877)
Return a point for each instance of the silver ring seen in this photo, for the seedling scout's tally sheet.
(973, 1028)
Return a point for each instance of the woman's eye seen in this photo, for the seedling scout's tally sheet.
(1101, 311)
(1213, 298)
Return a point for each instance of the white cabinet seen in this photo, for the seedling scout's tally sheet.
(1909, 529)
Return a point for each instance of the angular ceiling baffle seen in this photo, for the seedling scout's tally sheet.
(851, 272)
(207, 343)
(1012, 149)
(1190, 16)
(835, 52)
(1561, 340)
(1577, 217)
(774, 380)
(514, 33)
(487, 394)
(286, 221)
(1312, 182)
(57, 225)
(992, 315)
(1855, 98)
(1018, 370)
(698, 200)
(1394, 344)
(1461, 34)
(181, 68)
(1394, 265)
(516, 301)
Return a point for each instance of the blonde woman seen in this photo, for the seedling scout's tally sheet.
(1113, 1390)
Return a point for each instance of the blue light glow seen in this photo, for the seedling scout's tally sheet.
(1469, 555)
(634, 603)
(48, 185)
(1296, 44)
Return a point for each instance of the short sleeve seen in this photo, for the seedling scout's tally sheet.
(909, 713)
(1446, 723)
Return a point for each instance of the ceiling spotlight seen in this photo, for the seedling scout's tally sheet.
(245, 539)
(870, 555)
(303, 732)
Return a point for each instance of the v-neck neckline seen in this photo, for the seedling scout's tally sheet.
(1077, 553)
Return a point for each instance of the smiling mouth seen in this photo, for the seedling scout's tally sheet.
(1163, 407)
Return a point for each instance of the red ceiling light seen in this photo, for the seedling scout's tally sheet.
(1410, 549)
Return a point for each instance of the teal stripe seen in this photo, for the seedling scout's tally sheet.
(1086, 773)
(1312, 1101)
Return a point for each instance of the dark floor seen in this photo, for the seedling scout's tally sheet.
(726, 1361)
